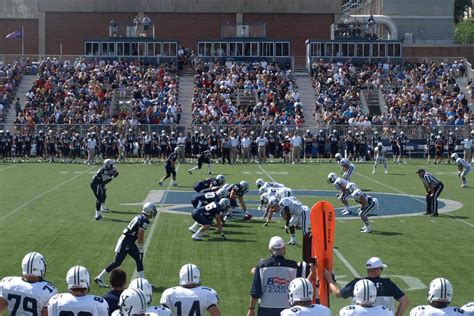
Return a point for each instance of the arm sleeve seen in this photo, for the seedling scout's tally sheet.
(397, 293)
(347, 290)
(256, 291)
(103, 308)
(165, 299)
(212, 299)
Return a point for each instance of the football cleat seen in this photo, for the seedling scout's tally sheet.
(366, 230)
(104, 208)
(190, 172)
(100, 282)
(291, 242)
(175, 184)
(160, 183)
(195, 237)
(98, 217)
(345, 212)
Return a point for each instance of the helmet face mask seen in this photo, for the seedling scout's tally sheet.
(259, 183)
(332, 177)
(338, 157)
(220, 178)
(149, 209)
(108, 163)
(244, 185)
(224, 203)
(454, 156)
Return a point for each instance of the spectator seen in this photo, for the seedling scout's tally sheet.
(118, 281)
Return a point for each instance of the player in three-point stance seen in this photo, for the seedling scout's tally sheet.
(464, 168)
(347, 168)
(205, 215)
(131, 242)
(209, 184)
(343, 194)
(367, 204)
(103, 176)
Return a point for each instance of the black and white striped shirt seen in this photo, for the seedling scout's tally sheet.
(429, 180)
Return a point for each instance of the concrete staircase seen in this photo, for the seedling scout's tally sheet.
(308, 97)
(185, 96)
(25, 86)
(373, 102)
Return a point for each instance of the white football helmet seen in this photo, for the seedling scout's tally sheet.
(264, 198)
(132, 301)
(189, 274)
(300, 290)
(379, 144)
(222, 193)
(454, 156)
(176, 149)
(286, 192)
(108, 163)
(224, 203)
(365, 292)
(220, 178)
(212, 148)
(78, 278)
(262, 190)
(144, 286)
(259, 183)
(149, 209)
(351, 187)
(338, 157)
(273, 201)
(440, 290)
(245, 185)
(332, 177)
(33, 264)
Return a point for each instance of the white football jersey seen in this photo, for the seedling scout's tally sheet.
(189, 301)
(380, 153)
(469, 308)
(26, 298)
(357, 310)
(428, 310)
(311, 310)
(158, 311)
(270, 185)
(463, 163)
(340, 184)
(358, 195)
(345, 162)
(66, 303)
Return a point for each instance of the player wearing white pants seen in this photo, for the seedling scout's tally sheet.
(347, 168)
(464, 168)
(379, 153)
(367, 204)
(365, 295)
(343, 194)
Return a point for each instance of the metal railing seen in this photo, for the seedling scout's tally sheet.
(385, 131)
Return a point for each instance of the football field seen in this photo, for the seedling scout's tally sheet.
(49, 208)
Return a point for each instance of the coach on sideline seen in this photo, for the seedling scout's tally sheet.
(387, 291)
(433, 187)
(270, 281)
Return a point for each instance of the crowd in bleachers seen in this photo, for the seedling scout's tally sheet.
(415, 94)
(216, 87)
(10, 77)
(80, 92)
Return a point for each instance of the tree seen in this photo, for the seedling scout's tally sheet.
(464, 32)
(460, 6)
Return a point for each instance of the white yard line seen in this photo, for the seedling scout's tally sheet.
(39, 196)
(346, 263)
(413, 197)
(9, 167)
(153, 226)
(266, 173)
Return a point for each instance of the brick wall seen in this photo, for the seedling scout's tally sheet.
(13, 46)
(414, 52)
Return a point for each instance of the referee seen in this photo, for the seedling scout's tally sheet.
(433, 187)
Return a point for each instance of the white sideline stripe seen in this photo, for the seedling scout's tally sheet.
(39, 196)
(346, 263)
(266, 173)
(153, 226)
(9, 167)
(415, 198)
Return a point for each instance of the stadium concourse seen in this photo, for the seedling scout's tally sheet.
(70, 117)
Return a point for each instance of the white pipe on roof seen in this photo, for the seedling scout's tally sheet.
(379, 19)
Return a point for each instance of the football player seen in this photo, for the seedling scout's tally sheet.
(131, 242)
(204, 157)
(343, 194)
(132, 302)
(301, 300)
(103, 176)
(265, 195)
(379, 157)
(347, 168)
(205, 215)
(402, 142)
(367, 204)
(170, 167)
(201, 199)
(395, 147)
(77, 301)
(365, 295)
(238, 190)
(430, 147)
(209, 184)
(468, 308)
(294, 213)
(440, 295)
(464, 168)
(334, 140)
(145, 286)
(28, 294)
(260, 183)
(190, 298)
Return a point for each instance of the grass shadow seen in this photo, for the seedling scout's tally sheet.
(375, 232)
(108, 219)
(123, 212)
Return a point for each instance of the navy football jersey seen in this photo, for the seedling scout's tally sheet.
(139, 221)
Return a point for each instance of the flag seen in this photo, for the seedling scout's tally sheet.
(16, 34)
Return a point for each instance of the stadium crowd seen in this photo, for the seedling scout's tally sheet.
(10, 77)
(215, 94)
(81, 92)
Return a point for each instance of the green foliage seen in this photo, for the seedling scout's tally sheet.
(459, 7)
(464, 32)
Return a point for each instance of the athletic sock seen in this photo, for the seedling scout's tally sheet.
(102, 274)
(209, 168)
(141, 274)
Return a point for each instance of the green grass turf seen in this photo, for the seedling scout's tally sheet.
(51, 211)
